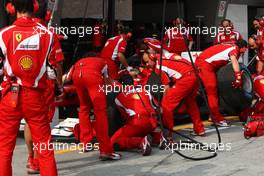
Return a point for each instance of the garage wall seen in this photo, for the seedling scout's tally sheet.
(151, 12)
(76, 9)
(238, 14)
(3, 16)
(248, 2)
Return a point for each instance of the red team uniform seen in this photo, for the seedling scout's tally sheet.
(137, 107)
(50, 91)
(223, 38)
(112, 47)
(26, 54)
(87, 78)
(209, 62)
(186, 86)
(175, 41)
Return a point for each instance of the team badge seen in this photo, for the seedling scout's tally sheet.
(262, 81)
(25, 41)
(26, 62)
(18, 37)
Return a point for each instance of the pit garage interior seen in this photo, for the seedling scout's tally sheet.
(133, 14)
(148, 13)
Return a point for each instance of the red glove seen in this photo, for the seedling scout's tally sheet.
(238, 80)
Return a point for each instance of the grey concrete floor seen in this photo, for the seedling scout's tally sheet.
(244, 159)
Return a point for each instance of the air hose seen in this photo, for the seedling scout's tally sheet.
(190, 141)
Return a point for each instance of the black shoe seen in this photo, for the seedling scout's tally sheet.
(111, 156)
(146, 146)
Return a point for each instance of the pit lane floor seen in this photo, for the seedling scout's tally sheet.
(244, 159)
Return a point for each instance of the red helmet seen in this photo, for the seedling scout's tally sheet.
(254, 128)
(154, 44)
(259, 86)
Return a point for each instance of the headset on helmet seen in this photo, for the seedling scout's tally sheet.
(10, 8)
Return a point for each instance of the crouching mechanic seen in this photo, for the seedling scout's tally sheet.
(209, 62)
(258, 46)
(138, 108)
(184, 87)
(26, 49)
(88, 77)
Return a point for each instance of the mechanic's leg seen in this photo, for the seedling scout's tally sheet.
(173, 98)
(86, 132)
(101, 121)
(131, 135)
(193, 110)
(29, 143)
(209, 80)
(35, 114)
(9, 122)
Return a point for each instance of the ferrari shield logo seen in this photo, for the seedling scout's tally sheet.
(18, 37)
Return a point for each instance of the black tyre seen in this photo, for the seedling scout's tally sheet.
(232, 100)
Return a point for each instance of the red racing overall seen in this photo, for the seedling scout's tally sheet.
(27, 47)
(209, 62)
(185, 88)
(87, 78)
(231, 38)
(50, 90)
(137, 107)
(109, 53)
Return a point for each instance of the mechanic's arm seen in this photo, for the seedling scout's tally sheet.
(235, 64)
(59, 71)
(165, 80)
(238, 83)
(123, 61)
(190, 39)
(190, 45)
(107, 79)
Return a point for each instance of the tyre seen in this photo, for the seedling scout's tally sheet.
(232, 100)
